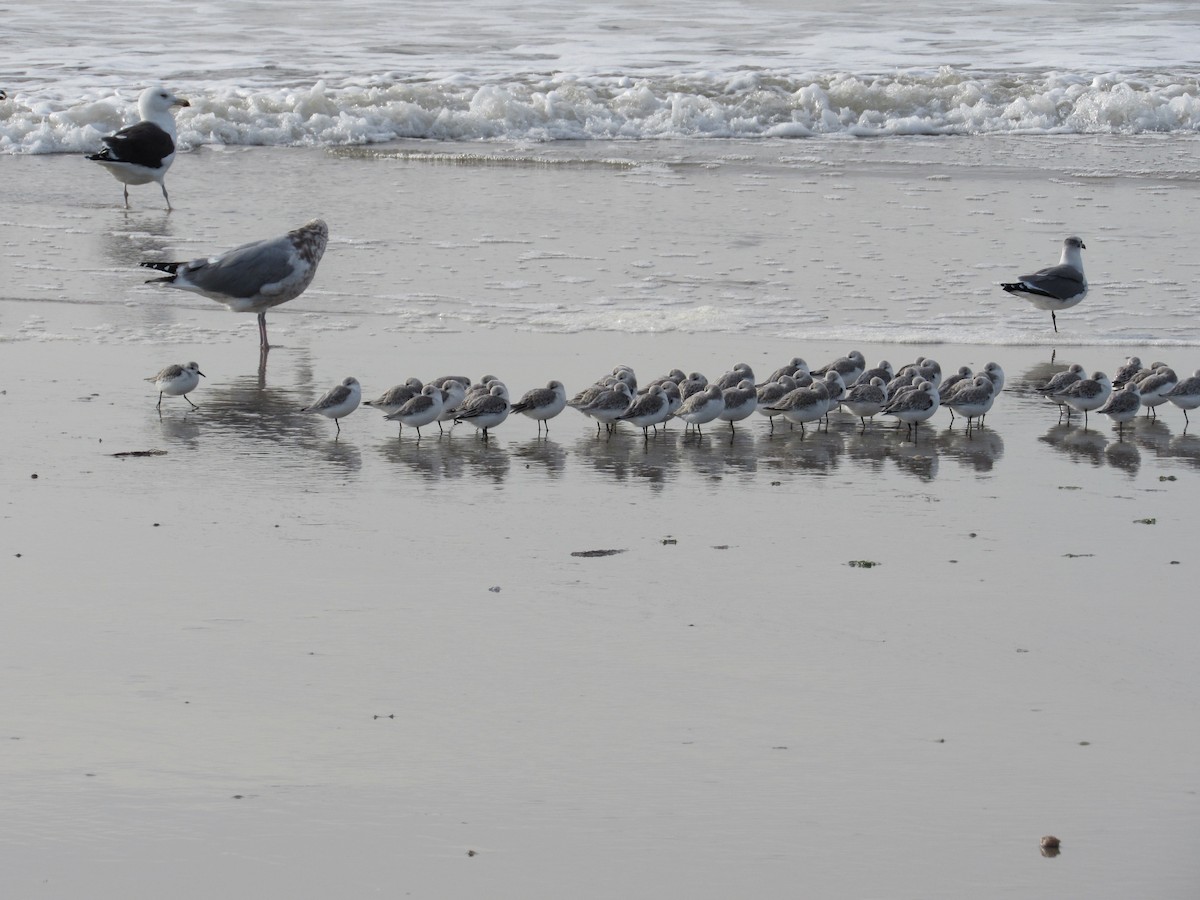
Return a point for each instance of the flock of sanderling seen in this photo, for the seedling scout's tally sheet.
(257, 276)
(1134, 387)
(794, 392)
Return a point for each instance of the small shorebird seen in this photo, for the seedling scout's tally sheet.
(485, 411)
(1086, 394)
(177, 381)
(543, 404)
(1123, 405)
(1186, 394)
(420, 410)
(338, 401)
(1056, 287)
(142, 153)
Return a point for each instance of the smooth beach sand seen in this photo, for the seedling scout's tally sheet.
(271, 663)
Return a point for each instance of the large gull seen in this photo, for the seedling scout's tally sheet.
(142, 153)
(256, 276)
(1057, 287)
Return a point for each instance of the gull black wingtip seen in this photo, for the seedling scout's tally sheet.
(171, 268)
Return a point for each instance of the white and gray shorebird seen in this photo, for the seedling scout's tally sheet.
(866, 400)
(253, 277)
(804, 404)
(1155, 387)
(1186, 394)
(1059, 383)
(177, 381)
(739, 373)
(771, 393)
(1056, 287)
(543, 404)
(849, 367)
(142, 153)
(1122, 405)
(702, 407)
(915, 406)
(1127, 372)
(454, 392)
(609, 404)
(420, 410)
(974, 400)
(648, 410)
(338, 401)
(951, 383)
(1086, 394)
(394, 398)
(740, 402)
(796, 365)
(485, 411)
(883, 369)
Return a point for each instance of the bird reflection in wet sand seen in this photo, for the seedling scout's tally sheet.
(979, 448)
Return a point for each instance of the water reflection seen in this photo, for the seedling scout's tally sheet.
(147, 236)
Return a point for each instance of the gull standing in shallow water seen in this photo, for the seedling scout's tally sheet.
(1057, 287)
(253, 277)
(177, 381)
(143, 152)
(337, 401)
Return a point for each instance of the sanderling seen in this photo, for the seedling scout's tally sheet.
(253, 277)
(790, 368)
(1186, 394)
(338, 401)
(804, 404)
(422, 409)
(1127, 372)
(739, 402)
(735, 376)
(177, 381)
(882, 370)
(454, 392)
(648, 410)
(394, 398)
(609, 404)
(866, 400)
(142, 153)
(693, 384)
(973, 400)
(543, 404)
(1122, 405)
(915, 406)
(702, 407)
(1057, 287)
(485, 411)
(849, 367)
(1155, 387)
(1087, 394)
(1059, 383)
(771, 393)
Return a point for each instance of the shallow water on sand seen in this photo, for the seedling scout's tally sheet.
(204, 650)
(721, 703)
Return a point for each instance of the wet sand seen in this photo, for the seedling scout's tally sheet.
(272, 662)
